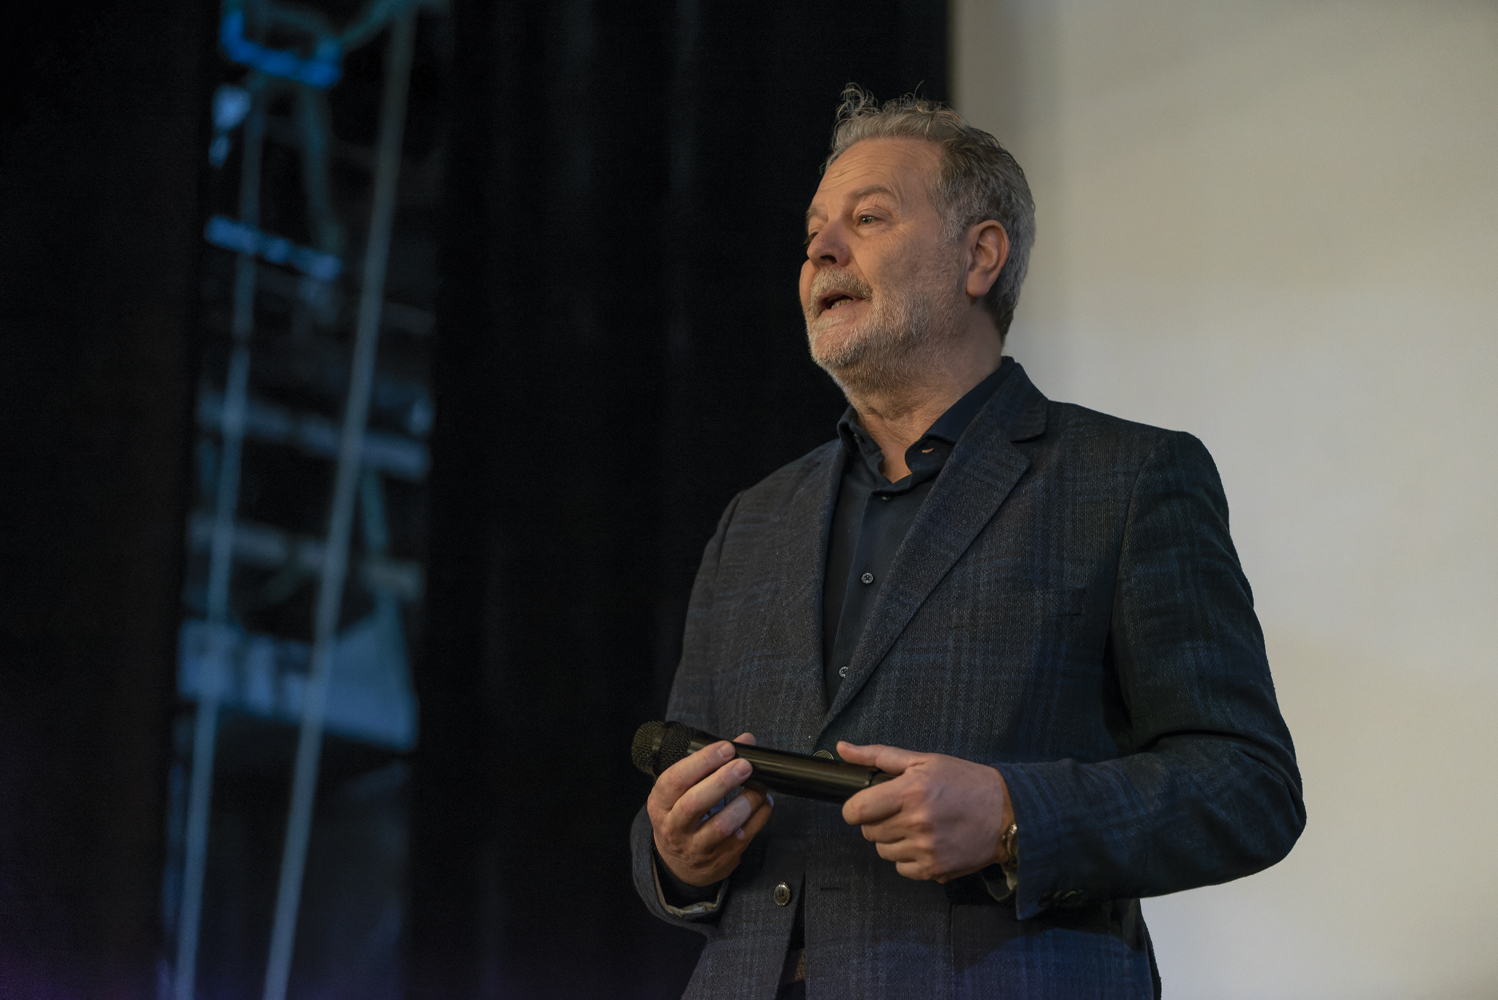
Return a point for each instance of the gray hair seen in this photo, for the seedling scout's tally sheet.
(978, 179)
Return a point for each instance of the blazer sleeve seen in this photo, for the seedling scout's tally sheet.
(691, 701)
(1210, 791)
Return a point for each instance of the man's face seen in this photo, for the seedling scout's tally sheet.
(880, 279)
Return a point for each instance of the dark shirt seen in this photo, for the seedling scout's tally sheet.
(873, 516)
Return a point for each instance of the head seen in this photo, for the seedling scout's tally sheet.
(921, 226)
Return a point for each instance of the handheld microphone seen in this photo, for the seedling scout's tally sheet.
(658, 745)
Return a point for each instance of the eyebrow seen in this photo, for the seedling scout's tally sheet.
(860, 194)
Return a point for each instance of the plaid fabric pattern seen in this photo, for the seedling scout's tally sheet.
(1067, 607)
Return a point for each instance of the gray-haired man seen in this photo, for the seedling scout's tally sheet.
(1031, 612)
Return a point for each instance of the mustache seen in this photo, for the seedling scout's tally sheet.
(831, 281)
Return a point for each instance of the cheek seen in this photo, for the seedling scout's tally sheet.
(808, 272)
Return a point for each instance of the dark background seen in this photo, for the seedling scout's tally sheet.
(619, 350)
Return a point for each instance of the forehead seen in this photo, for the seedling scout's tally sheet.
(903, 169)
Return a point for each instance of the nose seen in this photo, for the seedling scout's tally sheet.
(828, 247)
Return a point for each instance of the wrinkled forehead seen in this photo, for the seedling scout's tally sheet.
(904, 170)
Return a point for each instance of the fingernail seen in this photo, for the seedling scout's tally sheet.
(725, 750)
(740, 769)
(770, 799)
(739, 833)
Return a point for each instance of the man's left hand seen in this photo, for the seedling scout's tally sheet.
(940, 819)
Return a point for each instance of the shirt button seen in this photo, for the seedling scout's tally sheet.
(825, 754)
(782, 894)
(867, 578)
(842, 671)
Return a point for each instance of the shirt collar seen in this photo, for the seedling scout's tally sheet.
(930, 451)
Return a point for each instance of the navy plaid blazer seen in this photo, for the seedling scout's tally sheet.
(1067, 607)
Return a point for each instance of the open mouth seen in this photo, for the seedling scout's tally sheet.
(836, 300)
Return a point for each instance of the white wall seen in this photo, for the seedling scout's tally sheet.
(1275, 224)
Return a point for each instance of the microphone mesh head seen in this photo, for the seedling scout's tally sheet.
(676, 743)
(646, 742)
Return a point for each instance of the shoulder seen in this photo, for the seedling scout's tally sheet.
(780, 488)
(1101, 439)
(776, 516)
(1133, 465)
(1052, 432)
(1078, 426)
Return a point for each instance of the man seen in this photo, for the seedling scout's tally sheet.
(1030, 612)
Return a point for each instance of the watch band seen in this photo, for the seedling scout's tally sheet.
(1010, 846)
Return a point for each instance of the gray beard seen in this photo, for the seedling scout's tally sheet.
(883, 355)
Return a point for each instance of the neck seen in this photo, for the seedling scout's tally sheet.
(897, 414)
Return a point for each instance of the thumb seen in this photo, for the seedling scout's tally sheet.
(891, 759)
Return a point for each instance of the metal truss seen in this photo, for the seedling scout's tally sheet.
(331, 675)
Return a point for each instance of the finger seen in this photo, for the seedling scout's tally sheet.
(755, 794)
(701, 797)
(885, 832)
(872, 805)
(713, 792)
(892, 759)
(722, 819)
(686, 773)
(724, 853)
(756, 821)
(899, 851)
(725, 821)
(747, 738)
(919, 871)
(737, 837)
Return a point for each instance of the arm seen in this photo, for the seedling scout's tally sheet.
(669, 841)
(1211, 791)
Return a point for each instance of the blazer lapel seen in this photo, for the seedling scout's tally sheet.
(800, 540)
(983, 469)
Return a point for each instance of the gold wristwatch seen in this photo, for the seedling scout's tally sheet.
(1010, 864)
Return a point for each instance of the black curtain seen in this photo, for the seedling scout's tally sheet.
(101, 138)
(620, 351)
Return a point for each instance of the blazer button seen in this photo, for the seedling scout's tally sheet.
(782, 894)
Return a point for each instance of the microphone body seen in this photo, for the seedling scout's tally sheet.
(658, 745)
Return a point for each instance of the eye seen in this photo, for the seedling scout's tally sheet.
(865, 218)
(809, 237)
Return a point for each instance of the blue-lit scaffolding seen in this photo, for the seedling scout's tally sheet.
(251, 646)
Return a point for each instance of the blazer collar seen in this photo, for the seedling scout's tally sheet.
(978, 477)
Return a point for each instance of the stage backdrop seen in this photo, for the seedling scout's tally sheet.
(620, 351)
(101, 136)
(1275, 225)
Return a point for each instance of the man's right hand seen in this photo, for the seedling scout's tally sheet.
(701, 849)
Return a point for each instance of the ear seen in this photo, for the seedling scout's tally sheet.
(988, 249)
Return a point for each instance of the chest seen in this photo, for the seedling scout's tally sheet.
(988, 647)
